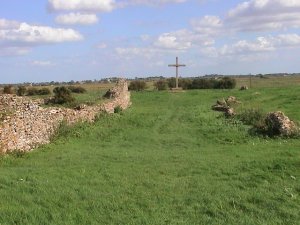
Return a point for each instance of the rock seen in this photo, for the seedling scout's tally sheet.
(231, 99)
(244, 87)
(222, 102)
(224, 106)
(80, 107)
(220, 108)
(230, 112)
(279, 124)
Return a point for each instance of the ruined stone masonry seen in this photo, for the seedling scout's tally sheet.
(24, 124)
(280, 124)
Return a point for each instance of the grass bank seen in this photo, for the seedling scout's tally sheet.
(169, 159)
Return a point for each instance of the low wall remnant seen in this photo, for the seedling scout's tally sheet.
(24, 124)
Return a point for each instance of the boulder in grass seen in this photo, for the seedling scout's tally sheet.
(229, 112)
(231, 100)
(225, 106)
(278, 124)
(244, 87)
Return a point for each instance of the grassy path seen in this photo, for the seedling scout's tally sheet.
(167, 160)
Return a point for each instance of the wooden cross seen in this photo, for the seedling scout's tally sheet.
(176, 65)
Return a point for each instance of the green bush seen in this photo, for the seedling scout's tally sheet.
(118, 109)
(32, 91)
(62, 95)
(254, 117)
(8, 89)
(225, 83)
(161, 85)
(137, 85)
(35, 91)
(44, 91)
(77, 89)
(184, 83)
(21, 90)
(202, 83)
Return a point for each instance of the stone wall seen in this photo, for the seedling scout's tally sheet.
(24, 124)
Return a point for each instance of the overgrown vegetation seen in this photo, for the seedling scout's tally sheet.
(62, 95)
(31, 91)
(118, 109)
(137, 85)
(8, 89)
(203, 83)
(77, 89)
(21, 91)
(161, 85)
(169, 159)
(252, 116)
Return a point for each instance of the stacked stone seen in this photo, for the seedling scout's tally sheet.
(24, 125)
(225, 106)
(280, 124)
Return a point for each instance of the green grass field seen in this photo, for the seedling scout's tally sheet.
(169, 159)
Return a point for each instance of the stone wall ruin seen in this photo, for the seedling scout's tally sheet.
(24, 124)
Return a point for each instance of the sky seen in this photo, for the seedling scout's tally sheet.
(63, 40)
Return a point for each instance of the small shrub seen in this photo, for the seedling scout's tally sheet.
(62, 95)
(202, 83)
(225, 83)
(21, 90)
(253, 117)
(8, 89)
(137, 85)
(184, 83)
(44, 91)
(32, 91)
(161, 85)
(35, 91)
(77, 89)
(118, 109)
(171, 82)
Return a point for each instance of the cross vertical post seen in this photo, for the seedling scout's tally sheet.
(176, 65)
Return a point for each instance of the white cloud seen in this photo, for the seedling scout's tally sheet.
(76, 18)
(208, 25)
(151, 2)
(130, 52)
(42, 63)
(172, 41)
(287, 40)
(82, 5)
(261, 44)
(26, 33)
(202, 35)
(209, 52)
(265, 15)
(8, 24)
(18, 38)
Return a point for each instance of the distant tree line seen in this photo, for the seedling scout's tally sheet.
(186, 83)
(203, 83)
(61, 94)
